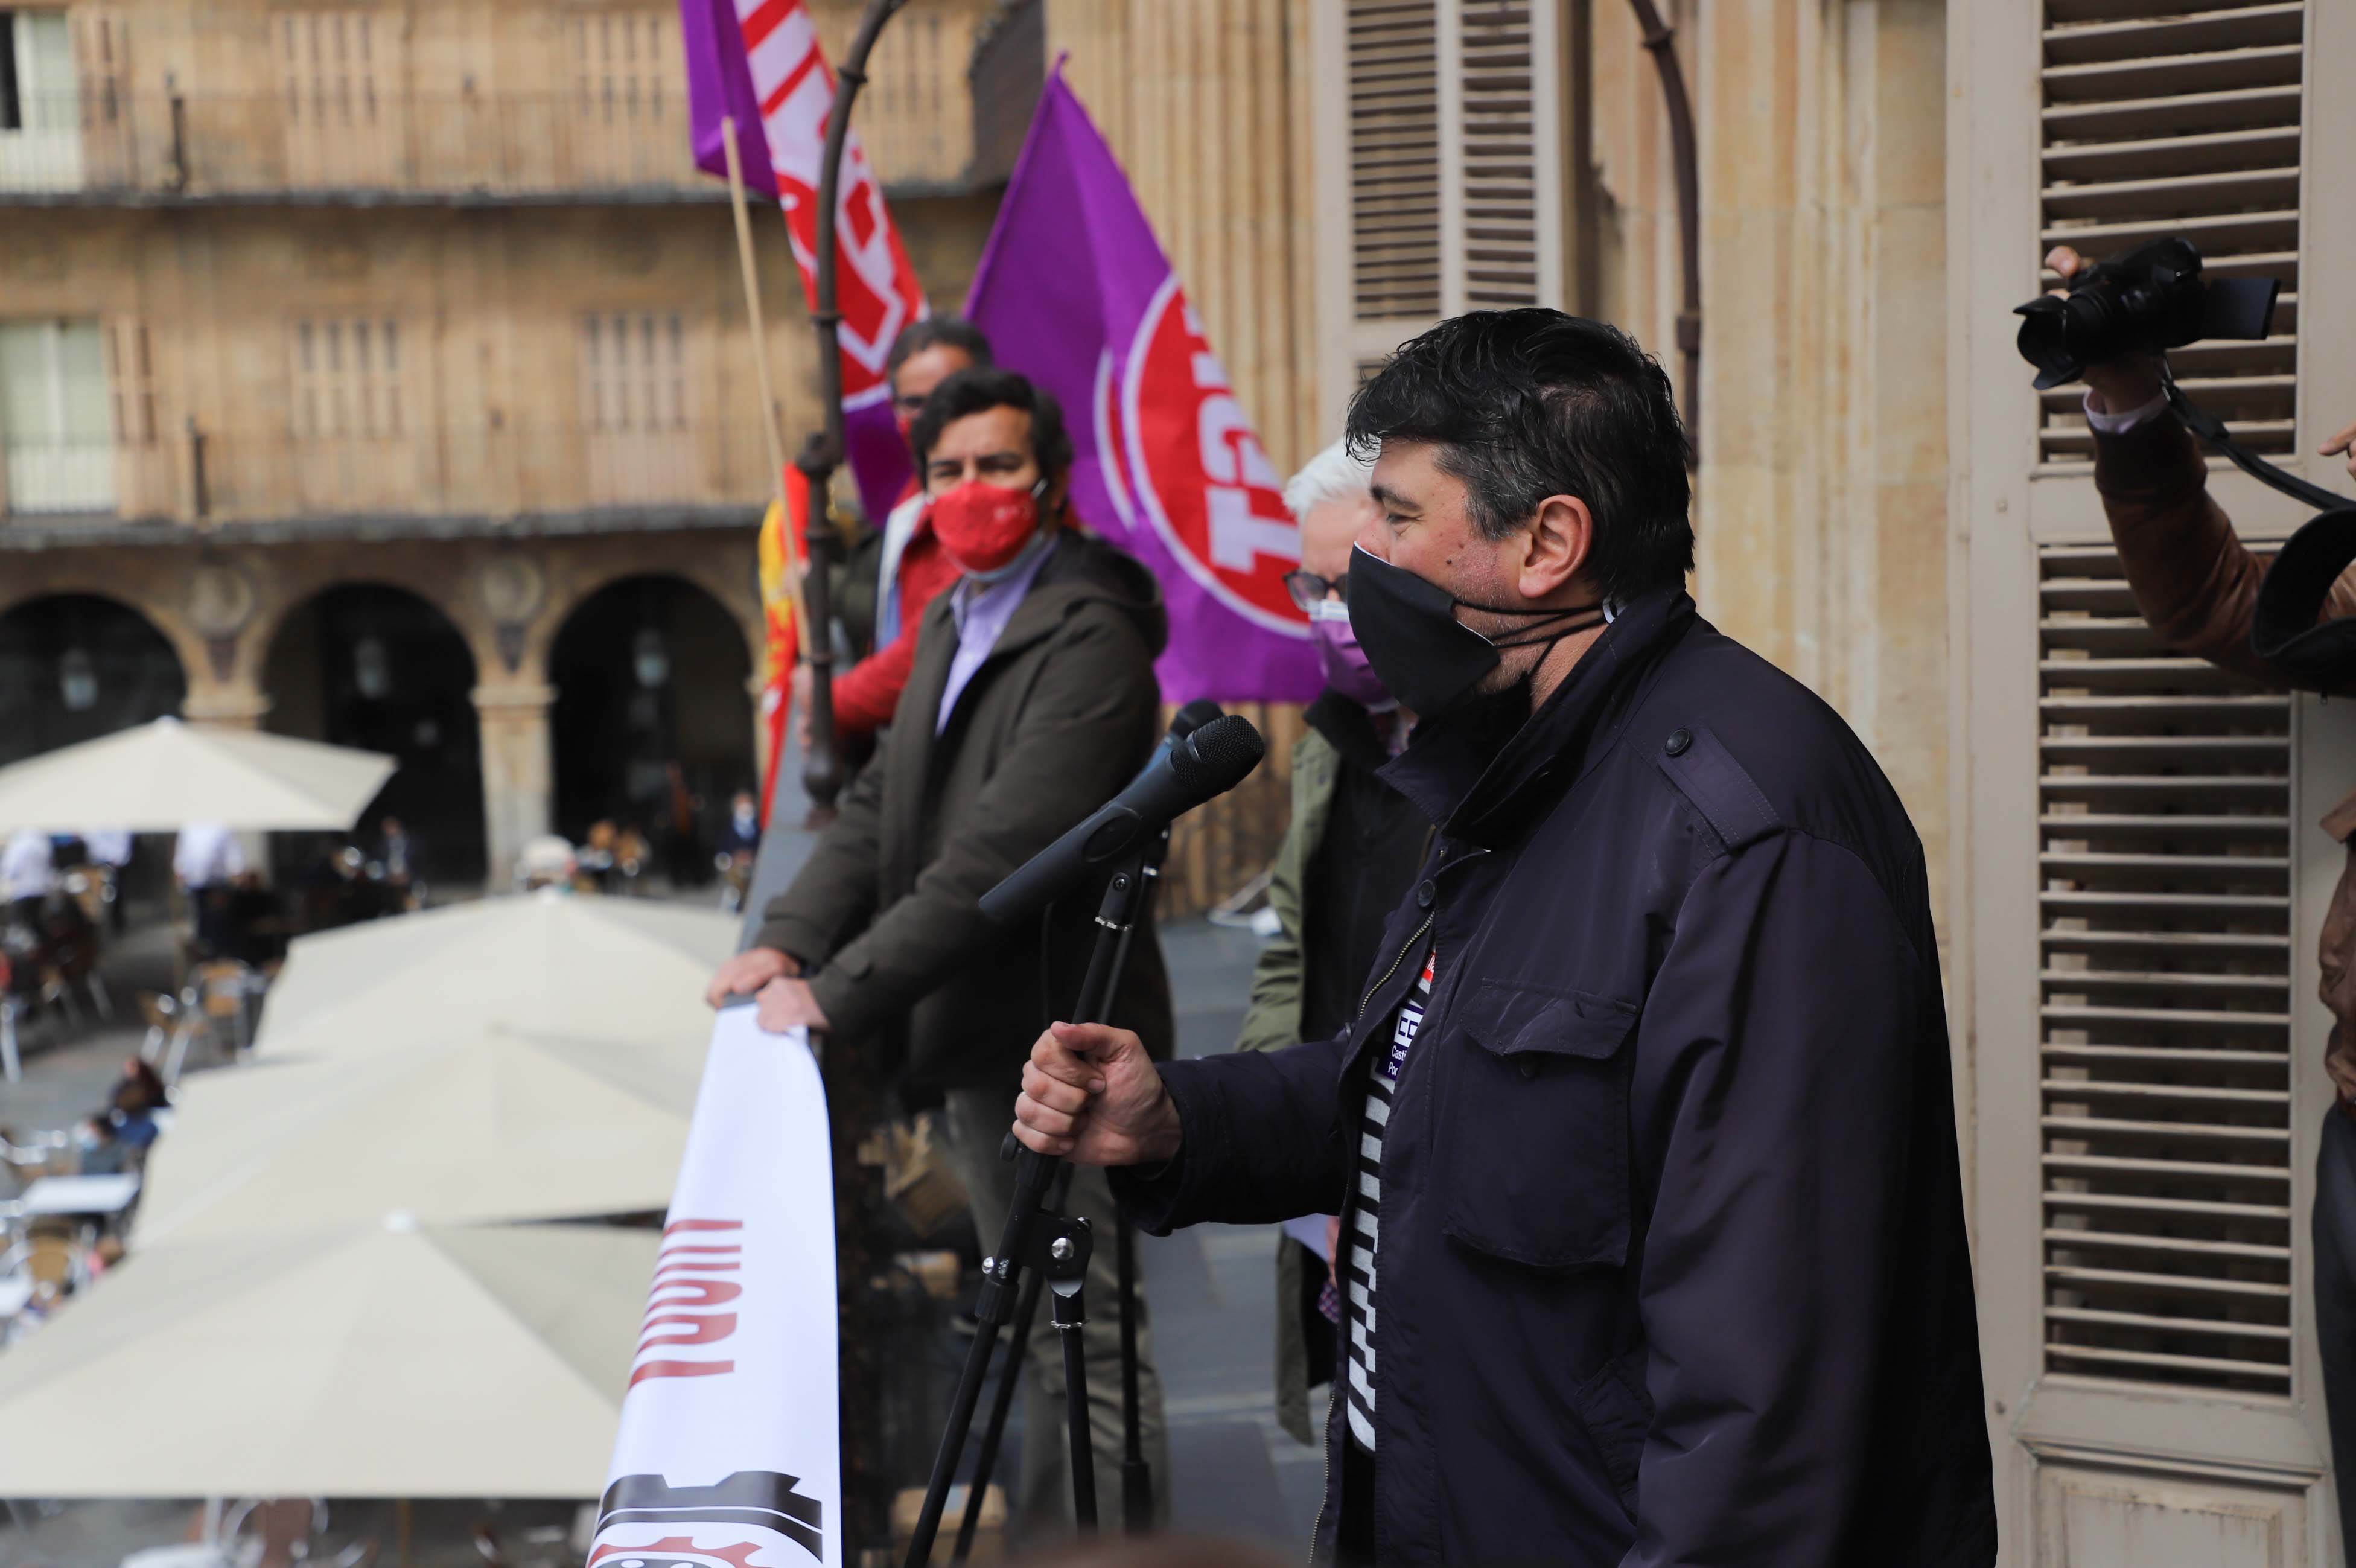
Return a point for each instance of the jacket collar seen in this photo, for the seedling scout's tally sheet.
(1478, 772)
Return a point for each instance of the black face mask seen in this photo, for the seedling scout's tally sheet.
(1426, 657)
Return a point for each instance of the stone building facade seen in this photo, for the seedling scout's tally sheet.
(426, 299)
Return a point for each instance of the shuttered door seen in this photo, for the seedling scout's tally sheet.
(344, 99)
(2181, 117)
(2165, 848)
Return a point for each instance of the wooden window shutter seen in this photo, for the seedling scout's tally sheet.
(1503, 167)
(1394, 152)
(1452, 138)
(2181, 117)
(2165, 1000)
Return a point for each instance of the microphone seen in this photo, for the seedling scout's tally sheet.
(1189, 719)
(1201, 765)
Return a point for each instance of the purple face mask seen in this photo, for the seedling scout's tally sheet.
(1343, 660)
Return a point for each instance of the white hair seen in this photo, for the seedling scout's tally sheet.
(1331, 475)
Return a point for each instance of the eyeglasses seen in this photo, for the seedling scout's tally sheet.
(1307, 588)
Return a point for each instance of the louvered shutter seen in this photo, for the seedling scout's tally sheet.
(2165, 919)
(1446, 134)
(1394, 171)
(2181, 117)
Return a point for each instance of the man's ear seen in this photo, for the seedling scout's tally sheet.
(1556, 548)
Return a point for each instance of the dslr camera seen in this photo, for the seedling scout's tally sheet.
(2143, 301)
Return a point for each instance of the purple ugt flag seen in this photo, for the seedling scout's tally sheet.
(1074, 292)
(758, 62)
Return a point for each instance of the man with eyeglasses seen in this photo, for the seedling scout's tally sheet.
(1349, 856)
(913, 569)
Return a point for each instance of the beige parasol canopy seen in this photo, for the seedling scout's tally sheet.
(381, 1360)
(452, 1125)
(161, 776)
(579, 967)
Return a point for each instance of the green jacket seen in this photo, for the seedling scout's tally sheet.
(885, 914)
(1273, 1022)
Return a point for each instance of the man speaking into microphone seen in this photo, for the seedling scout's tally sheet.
(1031, 702)
(1640, 1133)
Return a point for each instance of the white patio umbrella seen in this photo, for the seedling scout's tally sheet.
(581, 967)
(159, 777)
(455, 1125)
(387, 1358)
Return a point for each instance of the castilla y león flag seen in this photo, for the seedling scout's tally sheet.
(1074, 291)
(758, 63)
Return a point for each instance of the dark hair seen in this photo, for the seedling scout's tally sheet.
(1525, 404)
(980, 387)
(936, 332)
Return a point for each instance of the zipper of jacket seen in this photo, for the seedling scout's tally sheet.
(1385, 978)
(1326, 1495)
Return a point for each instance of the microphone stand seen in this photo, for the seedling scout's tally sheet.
(1056, 1250)
(1136, 1475)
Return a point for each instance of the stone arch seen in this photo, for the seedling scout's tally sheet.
(652, 671)
(733, 597)
(382, 667)
(76, 666)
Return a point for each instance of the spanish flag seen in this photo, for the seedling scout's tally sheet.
(781, 555)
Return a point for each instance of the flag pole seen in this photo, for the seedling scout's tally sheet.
(769, 410)
(827, 448)
(851, 1090)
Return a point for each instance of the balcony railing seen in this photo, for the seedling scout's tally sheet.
(510, 469)
(625, 138)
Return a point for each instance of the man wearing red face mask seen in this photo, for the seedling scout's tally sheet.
(1029, 702)
(913, 570)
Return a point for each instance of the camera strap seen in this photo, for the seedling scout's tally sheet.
(2212, 429)
(2287, 629)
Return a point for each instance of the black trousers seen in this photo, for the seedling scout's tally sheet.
(2335, 1304)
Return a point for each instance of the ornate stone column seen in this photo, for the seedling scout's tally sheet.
(518, 773)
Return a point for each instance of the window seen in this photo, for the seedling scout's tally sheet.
(40, 127)
(55, 442)
(347, 379)
(340, 83)
(351, 421)
(1446, 116)
(634, 395)
(625, 66)
(2167, 123)
(2165, 891)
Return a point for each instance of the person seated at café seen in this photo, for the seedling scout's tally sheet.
(117, 1139)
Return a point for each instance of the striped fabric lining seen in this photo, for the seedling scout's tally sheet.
(1366, 1215)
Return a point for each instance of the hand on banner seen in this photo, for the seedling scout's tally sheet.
(786, 1002)
(1090, 1092)
(744, 974)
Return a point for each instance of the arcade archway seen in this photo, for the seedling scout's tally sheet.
(383, 669)
(653, 723)
(74, 667)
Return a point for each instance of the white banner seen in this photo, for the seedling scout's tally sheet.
(730, 1449)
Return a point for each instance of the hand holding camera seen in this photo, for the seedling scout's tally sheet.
(2119, 384)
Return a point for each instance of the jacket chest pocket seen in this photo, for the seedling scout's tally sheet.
(1532, 1157)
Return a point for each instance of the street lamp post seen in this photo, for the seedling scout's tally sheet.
(850, 1083)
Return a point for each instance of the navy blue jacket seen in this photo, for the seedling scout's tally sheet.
(1672, 1256)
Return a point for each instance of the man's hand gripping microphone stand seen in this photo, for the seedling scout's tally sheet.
(1129, 835)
